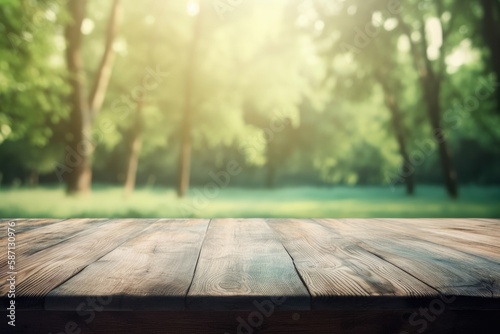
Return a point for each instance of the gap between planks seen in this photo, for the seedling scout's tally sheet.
(196, 264)
(450, 271)
(339, 273)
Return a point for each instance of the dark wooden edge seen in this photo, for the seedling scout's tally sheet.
(270, 321)
(249, 303)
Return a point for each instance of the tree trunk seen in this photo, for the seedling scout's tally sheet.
(184, 172)
(271, 166)
(135, 149)
(34, 177)
(79, 179)
(491, 34)
(399, 131)
(434, 111)
(398, 128)
(103, 75)
(430, 81)
(80, 146)
(185, 159)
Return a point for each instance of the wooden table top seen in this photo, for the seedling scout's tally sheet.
(221, 264)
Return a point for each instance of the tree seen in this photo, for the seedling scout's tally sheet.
(134, 149)
(363, 39)
(391, 101)
(85, 108)
(432, 73)
(186, 126)
(32, 91)
(491, 35)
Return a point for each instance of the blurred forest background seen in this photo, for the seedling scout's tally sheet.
(249, 108)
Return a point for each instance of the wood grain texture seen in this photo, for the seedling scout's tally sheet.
(247, 264)
(449, 271)
(341, 274)
(39, 234)
(480, 231)
(243, 263)
(23, 225)
(152, 271)
(489, 220)
(41, 272)
(472, 237)
(48, 235)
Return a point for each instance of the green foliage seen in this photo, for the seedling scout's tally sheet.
(281, 87)
(32, 85)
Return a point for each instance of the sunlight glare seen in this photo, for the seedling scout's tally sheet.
(433, 31)
(87, 26)
(193, 8)
(462, 55)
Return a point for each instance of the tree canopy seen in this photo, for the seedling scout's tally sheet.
(294, 92)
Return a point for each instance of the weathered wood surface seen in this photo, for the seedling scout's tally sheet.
(23, 225)
(338, 271)
(479, 239)
(44, 234)
(244, 264)
(449, 271)
(151, 271)
(39, 273)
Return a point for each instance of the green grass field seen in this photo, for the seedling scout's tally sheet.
(337, 202)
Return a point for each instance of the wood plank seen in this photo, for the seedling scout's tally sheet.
(152, 271)
(340, 274)
(489, 220)
(449, 271)
(48, 235)
(243, 263)
(41, 272)
(486, 232)
(24, 225)
(467, 239)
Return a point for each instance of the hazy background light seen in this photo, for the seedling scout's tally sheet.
(434, 34)
(462, 55)
(87, 26)
(193, 8)
(150, 20)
